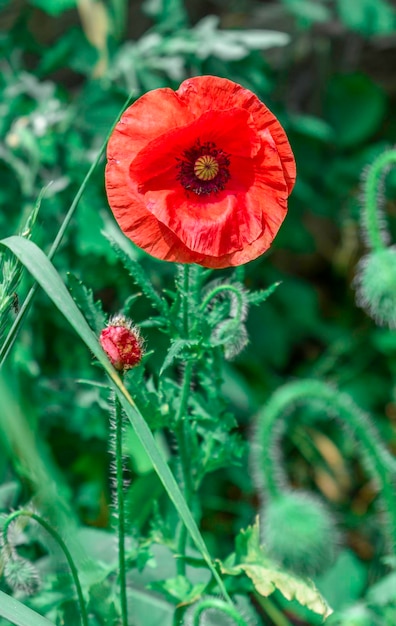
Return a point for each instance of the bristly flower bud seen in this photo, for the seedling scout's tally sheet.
(122, 343)
(375, 285)
(298, 531)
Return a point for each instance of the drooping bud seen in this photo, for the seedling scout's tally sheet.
(21, 575)
(375, 285)
(122, 343)
(298, 531)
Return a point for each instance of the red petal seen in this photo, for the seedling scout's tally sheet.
(232, 131)
(204, 93)
(149, 117)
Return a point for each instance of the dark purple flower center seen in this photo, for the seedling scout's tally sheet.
(204, 169)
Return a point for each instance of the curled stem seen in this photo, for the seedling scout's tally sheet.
(373, 224)
(269, 474)
(218, 605)
(233, 290)
(120, 508)
(55, 535)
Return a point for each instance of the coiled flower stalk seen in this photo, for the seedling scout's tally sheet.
(20, 574)
(297, 528)
(375, 280)
(212, 611)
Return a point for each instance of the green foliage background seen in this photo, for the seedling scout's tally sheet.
(65, 71)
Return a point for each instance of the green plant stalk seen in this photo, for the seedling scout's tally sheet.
(269, 472)
(119, 9)
(219, 605)
(51, 531)
(181, 429)
(120, 503)
(14, 330)
(182, 439)
(372, 223)
(272, 611)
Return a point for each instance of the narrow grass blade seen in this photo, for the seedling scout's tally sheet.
(42, 270)
(17, 613)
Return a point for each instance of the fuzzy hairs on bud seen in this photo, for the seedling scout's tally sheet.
(375, 285)
(299, 533)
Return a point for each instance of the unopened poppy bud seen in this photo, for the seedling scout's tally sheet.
(122, 343)
(375, 285)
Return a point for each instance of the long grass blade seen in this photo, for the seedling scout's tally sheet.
(42, 270)
(17, 613)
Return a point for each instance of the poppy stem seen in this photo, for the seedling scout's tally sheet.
(120, 507)
(183, 444)
(372, 220)
(182, 424)
(268, 472)
(55, 535)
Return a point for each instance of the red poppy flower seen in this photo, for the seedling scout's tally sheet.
(201, 174)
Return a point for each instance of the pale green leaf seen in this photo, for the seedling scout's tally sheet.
(267, 577)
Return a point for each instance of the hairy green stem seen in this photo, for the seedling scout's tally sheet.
(13, 332)
(182, 426)
(182, 435)
(374, 228)
(120, 504)
(218, 605)
(55, 535)
(221, 289)
(269, 473)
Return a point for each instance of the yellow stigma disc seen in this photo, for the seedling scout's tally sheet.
(206, 167)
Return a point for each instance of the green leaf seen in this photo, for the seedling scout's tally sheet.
(19, 614)
(266, 576)
(48, 278)
(354, 575)
(257, 297)
(176, 350)
(309, 10)
(179, 589)
(355, 108)
(368, 17)
(54, 7)
(84, 298)
(124, 251)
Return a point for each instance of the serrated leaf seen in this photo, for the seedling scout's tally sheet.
(139, 275)
(257, 297)
(176, 350)
(179, 589)
(266, 576)
(84, 298)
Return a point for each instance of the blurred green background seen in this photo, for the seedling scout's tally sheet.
(327, 70)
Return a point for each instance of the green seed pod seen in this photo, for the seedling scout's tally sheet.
(298, 531)
(375, 285)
